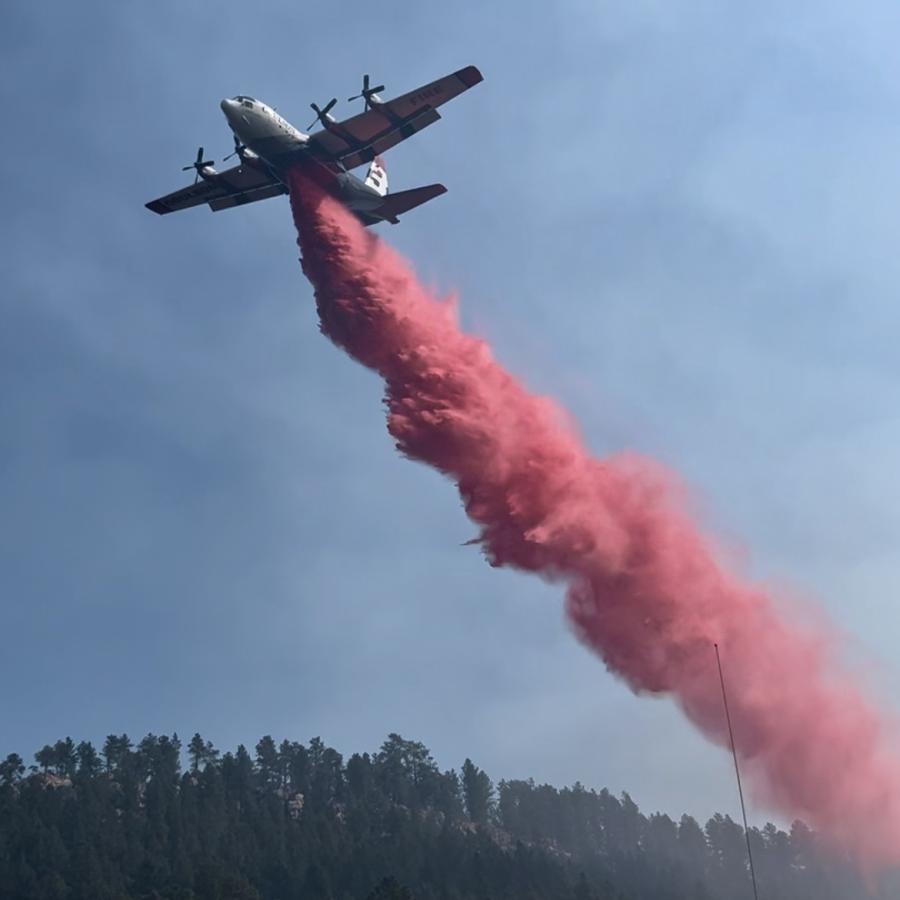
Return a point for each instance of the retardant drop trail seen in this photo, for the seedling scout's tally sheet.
(645, 589)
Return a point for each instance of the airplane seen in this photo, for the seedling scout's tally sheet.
(268, 147)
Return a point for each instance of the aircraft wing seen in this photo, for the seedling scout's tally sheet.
(234, 187)
(361, 138)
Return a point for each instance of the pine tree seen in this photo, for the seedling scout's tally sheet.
(477, 791)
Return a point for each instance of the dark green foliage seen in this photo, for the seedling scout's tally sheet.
(294, 821)
(390, 889)
(478, 792)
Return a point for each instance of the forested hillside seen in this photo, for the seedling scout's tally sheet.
(156, 820)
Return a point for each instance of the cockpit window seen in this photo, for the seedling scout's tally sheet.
(245, 101)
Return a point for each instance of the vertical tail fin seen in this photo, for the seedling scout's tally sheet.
(376, 177)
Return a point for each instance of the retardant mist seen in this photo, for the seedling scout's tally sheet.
(644, 588)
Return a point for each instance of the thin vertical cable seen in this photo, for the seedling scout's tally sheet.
(737, 771)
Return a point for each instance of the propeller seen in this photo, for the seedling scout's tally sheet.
(199, 163)
(367, 93)
(322, 114)
(238, 151)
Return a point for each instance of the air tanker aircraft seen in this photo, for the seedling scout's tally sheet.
(267, 146)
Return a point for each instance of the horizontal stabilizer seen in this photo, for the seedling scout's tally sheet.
(403, 201)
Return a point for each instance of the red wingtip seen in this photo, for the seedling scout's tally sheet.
(470, 76)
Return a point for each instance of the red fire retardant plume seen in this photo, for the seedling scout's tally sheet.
(646, 590)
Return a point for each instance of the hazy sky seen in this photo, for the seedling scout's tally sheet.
(678, 218)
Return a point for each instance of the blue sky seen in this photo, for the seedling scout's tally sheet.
(677, 218)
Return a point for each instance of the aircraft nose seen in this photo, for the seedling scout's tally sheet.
(232, 110)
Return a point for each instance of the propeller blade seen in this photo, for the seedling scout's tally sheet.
(366, 92)
(198, 163)
(321, 114)
(238, 150)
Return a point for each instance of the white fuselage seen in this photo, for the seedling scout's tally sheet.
(272, 138)
(260, 128)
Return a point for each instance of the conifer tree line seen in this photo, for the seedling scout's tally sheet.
(159, 821)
